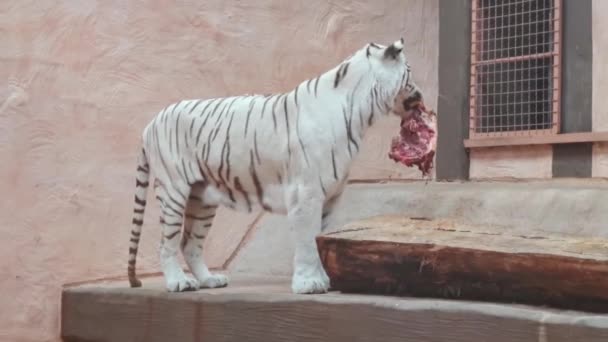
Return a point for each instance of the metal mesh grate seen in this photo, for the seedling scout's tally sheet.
(515, 67)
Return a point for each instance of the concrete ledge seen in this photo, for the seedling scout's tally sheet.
(264, 310)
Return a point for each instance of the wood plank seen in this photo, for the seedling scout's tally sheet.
(441, 258)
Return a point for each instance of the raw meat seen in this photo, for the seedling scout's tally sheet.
(417, 141)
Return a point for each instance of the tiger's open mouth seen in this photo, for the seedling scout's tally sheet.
(417, 140)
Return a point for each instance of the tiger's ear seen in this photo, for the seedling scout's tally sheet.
(394, 50)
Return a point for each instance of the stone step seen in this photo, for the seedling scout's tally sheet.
(263, 309)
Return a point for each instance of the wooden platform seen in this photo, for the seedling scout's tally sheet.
(419, 257)
(264, 309)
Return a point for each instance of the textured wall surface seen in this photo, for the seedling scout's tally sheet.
(600, 85)
(517, 162)
(80, 78)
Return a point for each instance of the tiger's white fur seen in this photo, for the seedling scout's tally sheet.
(287, 153)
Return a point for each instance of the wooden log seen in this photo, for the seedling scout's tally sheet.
(438, 258)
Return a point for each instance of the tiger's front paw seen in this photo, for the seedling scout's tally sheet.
(181, 284)
(315, 283)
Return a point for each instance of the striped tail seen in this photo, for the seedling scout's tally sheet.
(141, 192)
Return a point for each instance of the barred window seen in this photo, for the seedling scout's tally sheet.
(515, 67)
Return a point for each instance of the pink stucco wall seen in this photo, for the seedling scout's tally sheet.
(79, 80)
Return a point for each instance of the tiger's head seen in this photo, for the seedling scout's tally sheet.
(394, 76)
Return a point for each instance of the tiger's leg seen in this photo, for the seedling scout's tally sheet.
(328, 210)
(198, 220)
(172, 203)
(304, 215)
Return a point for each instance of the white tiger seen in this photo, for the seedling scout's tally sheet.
(287, 153)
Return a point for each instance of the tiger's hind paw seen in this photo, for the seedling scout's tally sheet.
(187, 283)
(214, 281)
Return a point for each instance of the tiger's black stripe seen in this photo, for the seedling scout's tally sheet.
(348, 134)
(142, 169)
(352, 104)
(166, 205)
(361, 121)
(180, 170)
(224, 110)
(177, 132)
(170, 214)
(200, 218)
(200, 129)
(194, 104)
(221, 167)
(333, 163)
(274, 113)
(171, 224)
(316, 84)
(138, 211)
(341, 73)
(186, 111)
(287, 126)
(170, 140)
(376, 98)
(255, 146)
(322, 186)
(207, 148)
(221, 181)
(295, 97)
(226, 151)
(172, 235)
(162, 160)
(280, 178)
(180, 205)
(405, 74)
(185, 172)
(200, 170)
(308, 85)
(264, 105)
(251, 106)
(141, 202)
(216, 131)
(228, 147)
(239, 187)
(300, 139)
(167, 126)
(181, 194)
(191, 172)
(256, 182)
(137, 222)
(371, 116)
(139, 183)
(218, 123)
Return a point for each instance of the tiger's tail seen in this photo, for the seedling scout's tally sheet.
(141, 192)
